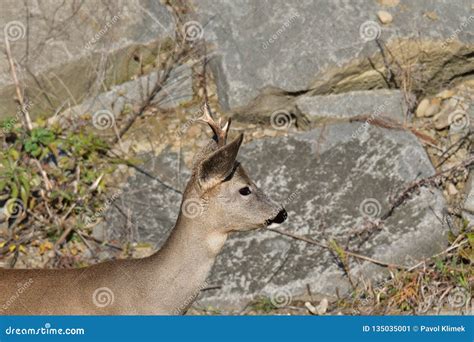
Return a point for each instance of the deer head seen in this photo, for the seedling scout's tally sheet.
(227, 199)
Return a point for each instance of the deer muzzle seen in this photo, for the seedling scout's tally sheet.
(279, 218)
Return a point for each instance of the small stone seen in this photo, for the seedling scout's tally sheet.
(385, 17)
(441, 120)
(422, 107)
(451, 189)
(445, 94)
(322, 307)
(432, 15)
(433, 108)
(450, 104)
(469, 193)
(389, 3)
(312, 310)
(270, 132)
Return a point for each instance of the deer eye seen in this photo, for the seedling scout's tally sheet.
(245, 191)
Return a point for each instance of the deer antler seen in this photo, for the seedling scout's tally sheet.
(220, 132)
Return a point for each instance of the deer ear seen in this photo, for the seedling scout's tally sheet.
(219, 165)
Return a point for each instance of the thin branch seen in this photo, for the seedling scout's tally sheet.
(352, 254)
(446, 251)
(24, 109)
(405, 194)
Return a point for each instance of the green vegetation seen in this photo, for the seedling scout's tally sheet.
(52, 179)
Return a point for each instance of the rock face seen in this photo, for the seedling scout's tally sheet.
(335, 183)
(148, 207)
(287, 44)
(377, 103)
(469, 199)
(75, 48)
(109, 105)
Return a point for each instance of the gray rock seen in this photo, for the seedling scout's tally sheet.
(148, 208)
(333, 183)
(74, 49)
(469, 195)
(177, 89)
(376, 103)
(287, 44)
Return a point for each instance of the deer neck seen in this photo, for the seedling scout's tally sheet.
(181, 266)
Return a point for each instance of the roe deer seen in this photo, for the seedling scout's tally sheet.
(219, 199)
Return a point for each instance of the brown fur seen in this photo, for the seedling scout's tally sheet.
(166, 282)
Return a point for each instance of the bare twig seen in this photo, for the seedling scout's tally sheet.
(24, 110)
(423, 182)
(47, 183)
(352, 254)
(446, 251)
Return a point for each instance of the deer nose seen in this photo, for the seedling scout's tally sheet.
(279, 218)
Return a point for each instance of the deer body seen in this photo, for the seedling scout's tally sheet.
(168, 281)
(163, 283)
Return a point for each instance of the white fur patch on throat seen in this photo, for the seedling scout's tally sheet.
(215, 242)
